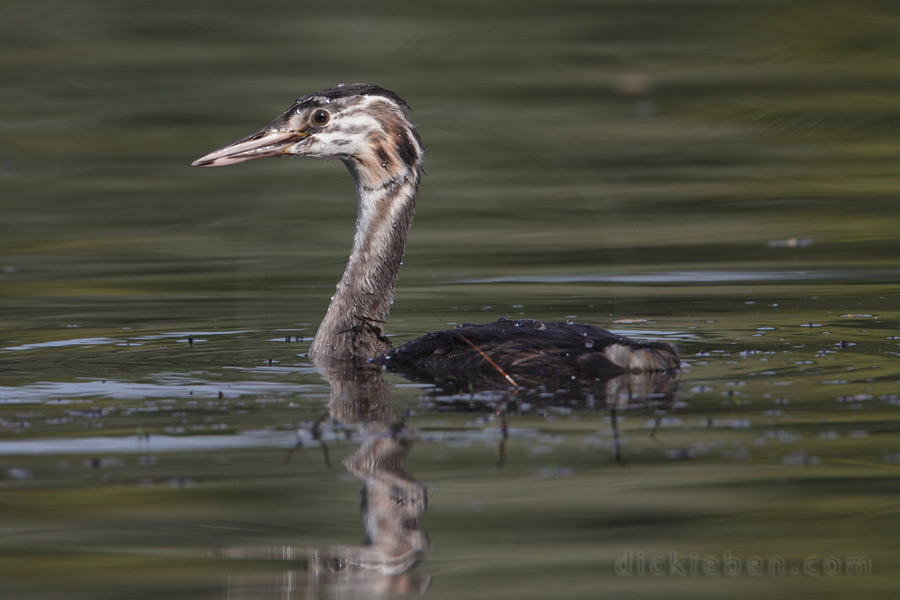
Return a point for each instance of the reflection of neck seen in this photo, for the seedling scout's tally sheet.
(393, 503)
(393, 500)
(352, 325)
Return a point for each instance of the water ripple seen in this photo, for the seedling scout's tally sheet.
(171, 386)
(690, 276)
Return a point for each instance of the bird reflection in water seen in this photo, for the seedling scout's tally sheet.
(393, 501)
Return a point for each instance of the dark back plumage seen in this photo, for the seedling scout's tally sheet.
(532, 353)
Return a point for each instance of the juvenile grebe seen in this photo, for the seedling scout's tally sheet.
(369, 129)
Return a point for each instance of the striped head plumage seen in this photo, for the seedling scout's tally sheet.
(366, 126)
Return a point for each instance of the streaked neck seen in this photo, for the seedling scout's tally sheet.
(352, 326)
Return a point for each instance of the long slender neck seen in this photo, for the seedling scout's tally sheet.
(352, 326)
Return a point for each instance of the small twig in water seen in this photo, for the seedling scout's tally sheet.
(613, 420)
(317, 435)
(373, 325)
(501, 448)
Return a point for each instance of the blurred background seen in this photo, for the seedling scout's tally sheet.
(719, 174)
(584, 139)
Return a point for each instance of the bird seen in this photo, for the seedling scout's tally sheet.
(370, 130)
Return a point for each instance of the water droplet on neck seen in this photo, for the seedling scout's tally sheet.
(540, 327)
(589, 344)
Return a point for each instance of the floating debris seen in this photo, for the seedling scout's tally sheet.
(800, 459)
(19, 474)
(790, 243)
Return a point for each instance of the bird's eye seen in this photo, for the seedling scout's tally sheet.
(320, 117)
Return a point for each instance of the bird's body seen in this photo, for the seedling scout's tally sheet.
(369, 129)
(532, 353)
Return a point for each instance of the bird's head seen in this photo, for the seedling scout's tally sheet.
(366, 126)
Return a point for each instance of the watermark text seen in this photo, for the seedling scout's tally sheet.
(680, 564)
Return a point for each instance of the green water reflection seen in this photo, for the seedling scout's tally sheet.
(719, 175)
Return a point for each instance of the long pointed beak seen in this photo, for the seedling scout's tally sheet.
(258, 145)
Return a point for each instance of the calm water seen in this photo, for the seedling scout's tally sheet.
(720, 175)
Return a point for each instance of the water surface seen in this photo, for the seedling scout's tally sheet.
(718, 175)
